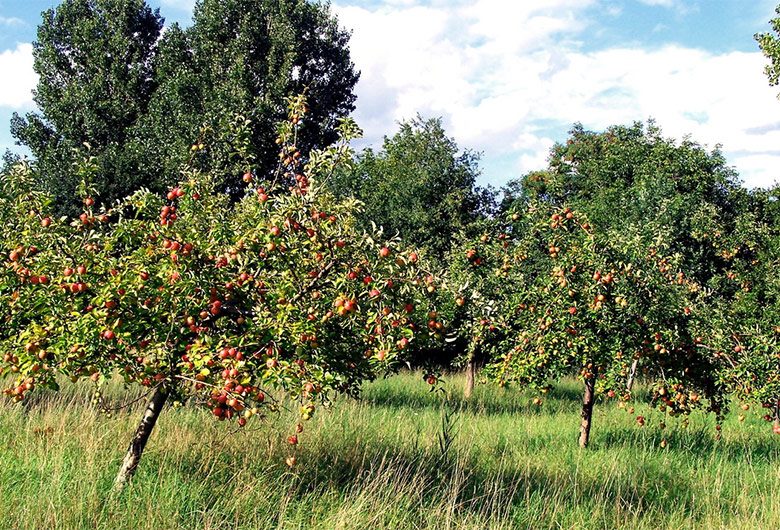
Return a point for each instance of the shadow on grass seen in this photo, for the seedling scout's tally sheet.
(487, 400)
(512, 489)
(695, 442)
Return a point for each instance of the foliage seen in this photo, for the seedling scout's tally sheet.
(109, 76)
(418, 186)
(769, 42)
(633, 179)
(94, 62)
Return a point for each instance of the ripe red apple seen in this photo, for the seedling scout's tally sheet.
(384, 252)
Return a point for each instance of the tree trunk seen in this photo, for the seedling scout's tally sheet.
(776, 422)
(632, 374)
(138, 443)
(471, 372)
(587, 411)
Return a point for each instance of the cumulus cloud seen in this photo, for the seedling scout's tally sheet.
(511, 79)
(19, 78)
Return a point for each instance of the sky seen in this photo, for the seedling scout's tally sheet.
(509, 78)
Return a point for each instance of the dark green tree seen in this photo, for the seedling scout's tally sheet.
(633, 178)
(769, 42)
(419, 186)
(142, 97)
(94, 59)
(247, 55)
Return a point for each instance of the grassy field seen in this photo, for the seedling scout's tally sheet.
(399, 459)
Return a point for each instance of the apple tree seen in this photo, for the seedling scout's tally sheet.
(572, 298)
(745, 332)
(227, 306)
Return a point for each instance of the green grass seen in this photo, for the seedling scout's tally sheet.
(399, 459)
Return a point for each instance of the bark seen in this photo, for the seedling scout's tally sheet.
(776, 422)
(587, 411)
(471, 372)
(142, 433)
(632, 374)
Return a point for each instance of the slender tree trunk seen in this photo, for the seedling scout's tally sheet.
(587, 411)
(471, 373)
(632, 374)
(776, 422)
(138, 443)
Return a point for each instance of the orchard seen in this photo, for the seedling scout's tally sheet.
(295, 329)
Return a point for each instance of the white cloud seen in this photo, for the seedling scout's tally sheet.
(662, 3)
(510, 79)
(16, 70)
(11, 21)
(183, 5)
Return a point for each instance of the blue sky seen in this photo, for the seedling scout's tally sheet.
(509, 77)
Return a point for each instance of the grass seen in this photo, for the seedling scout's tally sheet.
(399, 459)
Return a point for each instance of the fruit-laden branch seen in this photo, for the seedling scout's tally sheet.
(324, 272)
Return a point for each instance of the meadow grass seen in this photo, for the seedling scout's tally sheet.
(401, 458)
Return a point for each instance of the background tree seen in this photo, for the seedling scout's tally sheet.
(94, 61)
(634, 176)
(744, 325)
(769, 42)
(246, 56)
(109, 78)
(575, 297)
(419, 186)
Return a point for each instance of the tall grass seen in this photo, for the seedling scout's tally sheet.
(402, 458)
